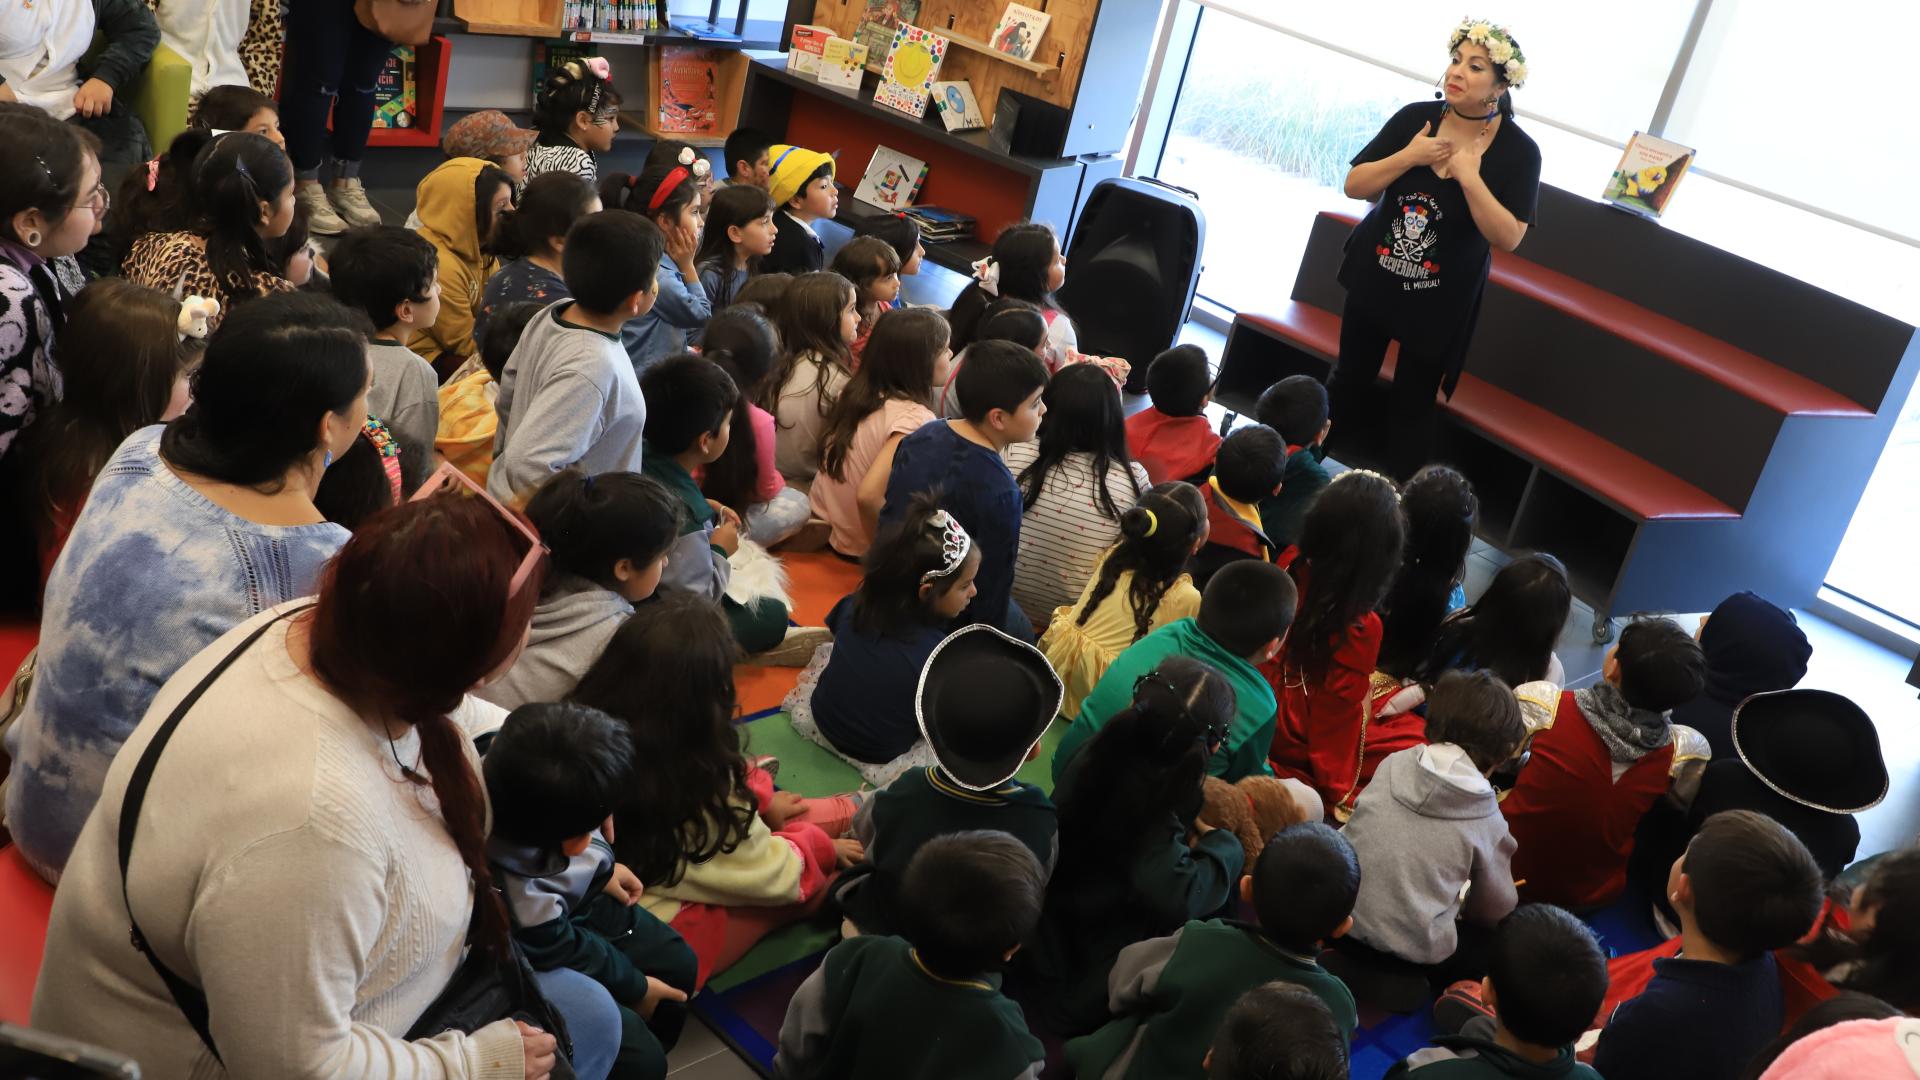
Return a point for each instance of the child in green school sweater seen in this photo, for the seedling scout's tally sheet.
(1170, 993)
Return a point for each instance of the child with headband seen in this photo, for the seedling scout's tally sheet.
(578, 114)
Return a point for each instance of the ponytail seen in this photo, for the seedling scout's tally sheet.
(1157, 536)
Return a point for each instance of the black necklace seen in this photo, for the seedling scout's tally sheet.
(1488, 115)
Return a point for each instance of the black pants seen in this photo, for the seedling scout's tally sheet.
(1400, 440)
(332, 64)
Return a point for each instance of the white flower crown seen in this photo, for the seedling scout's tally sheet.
(1500, 46)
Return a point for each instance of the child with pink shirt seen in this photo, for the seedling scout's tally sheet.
(742, 340)
(888, 399)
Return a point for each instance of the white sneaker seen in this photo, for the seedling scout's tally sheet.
(321, 219)
(350, 199)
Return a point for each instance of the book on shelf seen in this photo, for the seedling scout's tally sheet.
(892, 179)
(1649, 171)
(958, 108)
(881, 20)
(689, 90)
(1020, 31)
(842, 64)
(548, 55)
(913, 63)
(395, 95)
(806, 47)
(939, 224)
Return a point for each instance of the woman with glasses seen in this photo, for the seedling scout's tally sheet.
(192, 528)
(51, 203)
(1134, 862)
(323, 901)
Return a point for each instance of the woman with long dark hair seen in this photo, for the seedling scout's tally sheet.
(1449, 180)
(322, 901)
(1325, 734)
(191, 529)
(1128, 870)
(1075, 481)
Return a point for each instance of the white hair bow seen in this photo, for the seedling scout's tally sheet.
(986, 274)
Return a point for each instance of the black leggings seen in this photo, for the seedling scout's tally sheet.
(1410, 414)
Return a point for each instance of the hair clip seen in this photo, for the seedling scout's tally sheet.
(599, 66)
(986, 274)
(955, 545)
(1153, 522)
(701, 167)
(153, 174)
(196, 316)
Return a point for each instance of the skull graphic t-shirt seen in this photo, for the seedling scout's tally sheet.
(1417, 258)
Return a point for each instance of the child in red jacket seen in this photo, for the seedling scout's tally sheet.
(1600, 768)
(1327, 733)
(1172, 438)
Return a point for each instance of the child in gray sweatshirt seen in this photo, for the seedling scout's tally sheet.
(568, 395)
(1429, 826)
(608, 537)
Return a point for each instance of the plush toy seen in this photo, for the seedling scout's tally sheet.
(1256, 808)
(196, 317)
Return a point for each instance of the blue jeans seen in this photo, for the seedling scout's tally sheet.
(593, 1020)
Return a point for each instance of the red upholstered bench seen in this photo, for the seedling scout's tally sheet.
(25, 904)
(1756, 377)
(1631, 484)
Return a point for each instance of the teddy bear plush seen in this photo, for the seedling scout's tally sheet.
(1257, 807)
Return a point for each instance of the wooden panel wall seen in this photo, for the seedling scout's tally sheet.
(1069, 32)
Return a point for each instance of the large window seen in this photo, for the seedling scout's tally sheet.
(1791, 110)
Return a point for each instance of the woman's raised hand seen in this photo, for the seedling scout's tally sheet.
(1427, 148)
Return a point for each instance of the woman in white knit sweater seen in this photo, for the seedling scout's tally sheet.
(312, 844)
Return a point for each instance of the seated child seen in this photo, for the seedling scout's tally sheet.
(817, 315)
(531, 238)
(961, 460)
(1296, 407)
(238, 107)
(553, 775)
(459, 204)
(885, 403)
(1429, 824)
(1026, 264)
(874, 268)
(857, 695)
(1004, 320)
(577, 111)
(1596, 772)
(737, 237)
(1510, 628)
(1138, 587)
(1877, 953)
(1135, 863)
(1076, 480)
(568, 395)
(468, 422)
(392, 275)
(1545, 978)
(1278, 1032)
(984, 700)
(492, 136)
(885, 1007)
(801, 183)
(688, 431)
(1441, 512)
(1244, 616)
(1169, 993)
(668, 195)
(765, 291)
(608, 537)
(1745, 887)
(1752, 646)
(1246, 469)
(726, 860)
(1172, 437)
(747, 163)
(363, 481)
(903, 235)
(742, 341)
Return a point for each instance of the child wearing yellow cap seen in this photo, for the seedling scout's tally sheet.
(801, 183)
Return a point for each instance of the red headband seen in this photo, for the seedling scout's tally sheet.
(674, 179)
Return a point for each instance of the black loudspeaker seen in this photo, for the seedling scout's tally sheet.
(1026, 126)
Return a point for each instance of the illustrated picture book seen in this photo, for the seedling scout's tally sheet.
(548, 55)
(689, 90)
(842, 64)
(959, 109)
(913, 63)
(803, 57)
(1649, 171)
(881, 19)
(1020, 30)
(394, 91)
(892, 179)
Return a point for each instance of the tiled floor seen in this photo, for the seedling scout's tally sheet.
(702, 1056)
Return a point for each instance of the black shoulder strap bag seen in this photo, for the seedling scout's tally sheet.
(485, 987)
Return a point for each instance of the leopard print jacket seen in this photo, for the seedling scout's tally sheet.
(176, 264)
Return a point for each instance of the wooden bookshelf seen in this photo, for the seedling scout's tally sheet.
(517, 18)
(430, 62)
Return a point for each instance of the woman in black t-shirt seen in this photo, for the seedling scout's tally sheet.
(1449, 180)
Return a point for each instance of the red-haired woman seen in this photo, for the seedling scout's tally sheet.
(310, 854)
